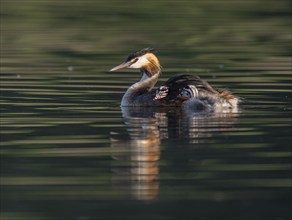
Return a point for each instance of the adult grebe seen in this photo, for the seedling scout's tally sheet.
(183, 90)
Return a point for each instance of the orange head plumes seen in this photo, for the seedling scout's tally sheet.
(144, 60)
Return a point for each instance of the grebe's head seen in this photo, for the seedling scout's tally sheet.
(143, 59)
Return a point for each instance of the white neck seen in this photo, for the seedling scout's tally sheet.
(144, 86)
(144, 77)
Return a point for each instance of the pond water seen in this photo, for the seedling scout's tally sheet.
(68, 151)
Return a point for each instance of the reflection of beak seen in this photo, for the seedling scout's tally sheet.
(121, 66)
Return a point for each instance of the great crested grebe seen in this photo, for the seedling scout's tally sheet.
(183, 90)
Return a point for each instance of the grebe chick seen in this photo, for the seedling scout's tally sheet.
(183, 90)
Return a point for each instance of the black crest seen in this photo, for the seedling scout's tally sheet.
(140, 53)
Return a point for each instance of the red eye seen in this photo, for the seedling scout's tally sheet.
(135, 60)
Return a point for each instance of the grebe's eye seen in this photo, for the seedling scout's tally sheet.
(135, 60)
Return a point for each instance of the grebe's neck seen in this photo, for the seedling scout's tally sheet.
(150, 75)
(146, 83)
(144, 77)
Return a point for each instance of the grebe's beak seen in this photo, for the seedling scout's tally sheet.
(121, 66)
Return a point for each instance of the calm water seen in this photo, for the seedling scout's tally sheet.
(68, 151)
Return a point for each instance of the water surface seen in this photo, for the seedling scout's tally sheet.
(68, 151)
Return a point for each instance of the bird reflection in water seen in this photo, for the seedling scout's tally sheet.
(143, 150)
(138, 166)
